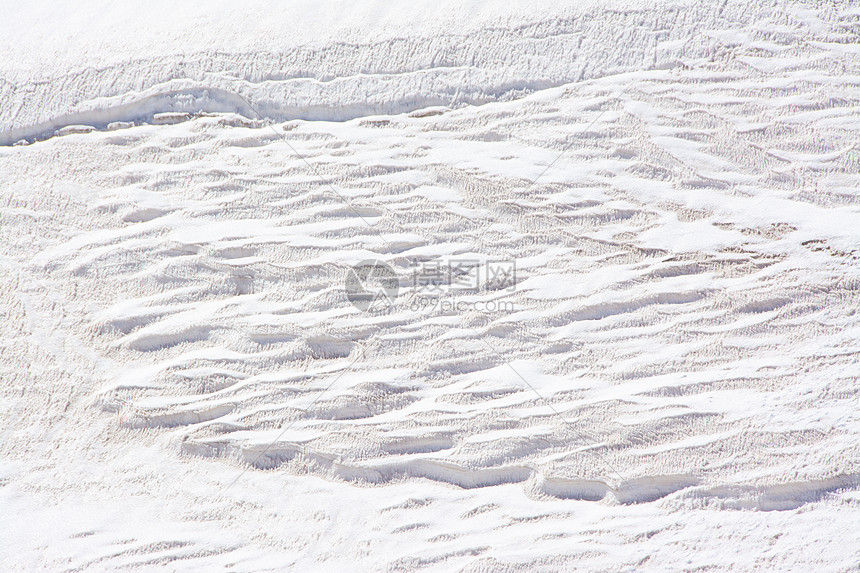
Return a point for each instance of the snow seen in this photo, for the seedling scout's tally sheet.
(185, 384)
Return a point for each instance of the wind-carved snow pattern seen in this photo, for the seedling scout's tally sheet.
(684, 334)
(342, 81)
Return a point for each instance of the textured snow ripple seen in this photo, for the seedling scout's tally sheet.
(678, 369)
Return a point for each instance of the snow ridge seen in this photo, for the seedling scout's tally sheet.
(189, 386)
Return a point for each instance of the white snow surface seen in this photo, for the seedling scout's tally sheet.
(186, 387)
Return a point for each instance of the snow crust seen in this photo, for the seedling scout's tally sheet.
(186, 386)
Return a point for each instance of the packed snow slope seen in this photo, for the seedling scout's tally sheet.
(672, 385)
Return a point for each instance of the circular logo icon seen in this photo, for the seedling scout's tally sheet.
(371, 285)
